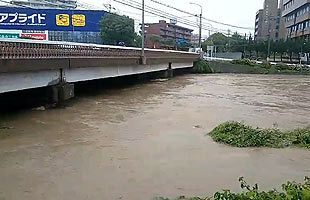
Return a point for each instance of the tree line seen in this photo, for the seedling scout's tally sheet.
(120, 30)
(257, 49)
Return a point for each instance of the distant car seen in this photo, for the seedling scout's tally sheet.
(121, 44)
(304, 57)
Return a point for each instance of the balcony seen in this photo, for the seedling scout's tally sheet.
(297, 4)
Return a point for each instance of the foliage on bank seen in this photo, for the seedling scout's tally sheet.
(202, 67)
(290, 191)
(243, 62)
(240, 135)
(247, 66)
(117, 30)
(258, 49)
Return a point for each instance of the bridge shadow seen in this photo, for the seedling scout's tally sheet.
(40, 98)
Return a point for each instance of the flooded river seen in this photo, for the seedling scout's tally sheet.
(148, 140)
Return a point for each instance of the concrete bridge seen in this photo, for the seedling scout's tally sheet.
(26, 64)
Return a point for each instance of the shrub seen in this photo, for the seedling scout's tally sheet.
(266, 65)
(290, 191)
(243, 62)
(240, 135)
(202, 67)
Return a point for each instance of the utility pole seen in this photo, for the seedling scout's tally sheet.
(269, 39)
(143, 36)
(269, 44)
(200, 28)
(200, 25)
(175, 38)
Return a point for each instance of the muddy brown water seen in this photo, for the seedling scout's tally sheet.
(149, 140)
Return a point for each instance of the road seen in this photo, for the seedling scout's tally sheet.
(150, 140)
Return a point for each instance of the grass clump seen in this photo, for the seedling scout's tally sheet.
(290, 191)
(240, 135)
(202, 67)
(243, 62)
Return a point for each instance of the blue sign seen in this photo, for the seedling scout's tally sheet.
(50, 19)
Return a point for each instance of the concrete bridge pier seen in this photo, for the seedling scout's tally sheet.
(62, 92)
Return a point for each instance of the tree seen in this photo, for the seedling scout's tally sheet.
(217, 39)
(116, 29)
(137, 41)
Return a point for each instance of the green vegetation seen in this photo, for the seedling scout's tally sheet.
(290, 191)
(243, 62)
(249, 67)
(240, 135)
(282, 49)
(202, 67)
(116, 29)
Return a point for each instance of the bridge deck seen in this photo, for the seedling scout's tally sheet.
(28, 64)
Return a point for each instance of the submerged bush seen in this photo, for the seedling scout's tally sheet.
(202, 67)
(240, 135)
(243, 62)
(290, 191)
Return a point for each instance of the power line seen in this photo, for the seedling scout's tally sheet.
(150, 10)
(153, 11)
(210, 20)
(10, 3)
(173, 16)
(160, 13)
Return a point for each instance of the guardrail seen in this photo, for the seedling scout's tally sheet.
(30, 49)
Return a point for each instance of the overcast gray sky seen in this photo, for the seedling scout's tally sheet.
(236, 12)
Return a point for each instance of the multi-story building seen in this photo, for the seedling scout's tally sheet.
(297, 18)
(44, 4)
(168, 32)
(282, 29)
(258, 35)
(268, 22)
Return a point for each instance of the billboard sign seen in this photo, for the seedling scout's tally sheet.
(21, 34)
(12, 18)
(9, 35)
(34, 36)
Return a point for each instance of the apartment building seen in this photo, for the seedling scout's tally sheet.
(296, 14)
(268, 22)
(167, 31)
(258, 34)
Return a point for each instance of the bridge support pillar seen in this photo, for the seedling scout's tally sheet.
(62, 92)
(169, 73)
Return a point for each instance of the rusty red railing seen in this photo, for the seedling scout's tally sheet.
(39, 50)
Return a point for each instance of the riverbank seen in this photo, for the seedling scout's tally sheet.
(290, 190)
(248, 67)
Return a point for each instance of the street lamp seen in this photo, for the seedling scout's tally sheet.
(200, 23)
(269, 33)
(301, 52)
(143, 36)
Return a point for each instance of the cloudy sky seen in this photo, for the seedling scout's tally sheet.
(235, 12)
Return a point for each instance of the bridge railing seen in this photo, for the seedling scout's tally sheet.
(25, 49)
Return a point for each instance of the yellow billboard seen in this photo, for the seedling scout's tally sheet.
(63, 20)
(78, 20)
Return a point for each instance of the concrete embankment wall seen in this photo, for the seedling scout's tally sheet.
(227, 67)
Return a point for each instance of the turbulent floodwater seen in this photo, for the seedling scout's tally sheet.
(149, 140)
